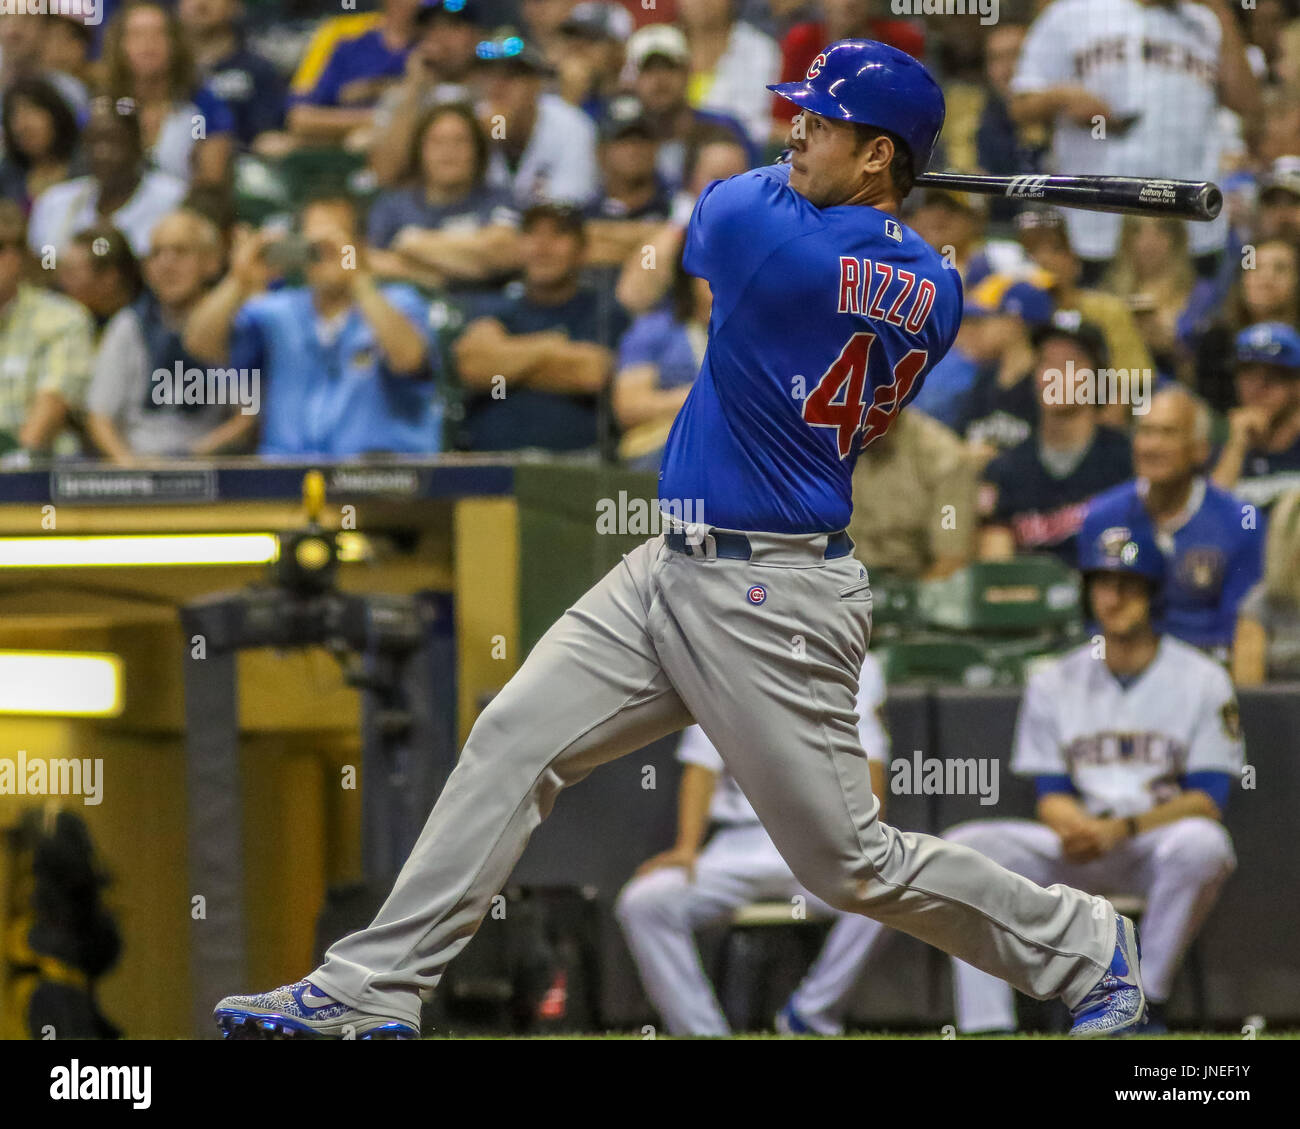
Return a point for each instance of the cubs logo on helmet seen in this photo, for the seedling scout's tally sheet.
(815, 67)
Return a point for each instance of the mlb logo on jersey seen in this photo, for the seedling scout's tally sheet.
(894, 230)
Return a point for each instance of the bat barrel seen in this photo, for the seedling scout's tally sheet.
(1125, 195)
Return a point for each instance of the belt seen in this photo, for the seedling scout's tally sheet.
(736, 547)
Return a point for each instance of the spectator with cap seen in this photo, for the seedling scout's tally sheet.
(132, 411)
(547, 148)
(536, 362)
(1266, 290)
(1045, 238)
(590, 67)
(731, 64)
(1261, 458)
(441, 67)
(249, 85)
(99, 270)
(346, 363)
(633, 202)
(1213, 557)
(120, 190)
(448, 230)
(659, 58)
(40, 140)
(185, 128)
(1278, 213)
(903, 485)
(658, 361)
(349, 63)
(1033, 498)
(1267, 642)
(1001, 411)
(837, 19)
(45, 351)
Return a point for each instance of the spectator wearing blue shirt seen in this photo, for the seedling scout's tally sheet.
(187, 130)
(448, 230)
(1034, 497)
(346, 365)
(1261, 459)
(247, 83)
(347, 69)
(1213, 549)
(537, 362)
(658, 360)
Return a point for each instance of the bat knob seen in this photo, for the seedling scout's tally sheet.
(1211, 201)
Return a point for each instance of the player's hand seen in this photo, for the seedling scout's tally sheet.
(1081, 105)
(1110, 833)
(1082, 842)
(1248, 426)
(675, 856)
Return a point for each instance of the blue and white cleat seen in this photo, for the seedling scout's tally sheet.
(790, 1022)
(303, 1011)
(1116, 1005)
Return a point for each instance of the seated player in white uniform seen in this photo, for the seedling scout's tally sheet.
(687, 887)
(1134, 742)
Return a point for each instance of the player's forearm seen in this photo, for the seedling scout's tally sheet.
(391, 265)
(1061, 812)
(611, 242)
(1238, 87)
(107, 440)
(1190, 803)
(694, 795)
(514, 358)
(471, 257)
(1042, 106)
(390, 147)
(647, 274)
(234, 434)
(576, 367)
(404, 347)
(1231, 459)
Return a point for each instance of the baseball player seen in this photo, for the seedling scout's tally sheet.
(1133, 751)
(685, 888)
(753, 618)
(1133, 87)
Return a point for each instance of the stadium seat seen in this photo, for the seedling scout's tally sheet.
(755, 970)
(1028, 594)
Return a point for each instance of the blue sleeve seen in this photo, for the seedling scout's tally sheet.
(1216, 785)
(736, 225)
(643, 343)
(216, 114)
(1060, 785)
(266, 108)
(332, 77)
(406, 301)
(1245, 570)
(248, 339)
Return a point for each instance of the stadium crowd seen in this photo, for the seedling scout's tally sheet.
(476, 246)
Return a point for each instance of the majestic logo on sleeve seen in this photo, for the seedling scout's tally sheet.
(815, 67)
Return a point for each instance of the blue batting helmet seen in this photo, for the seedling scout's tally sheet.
(860, 80)
(1121, 548)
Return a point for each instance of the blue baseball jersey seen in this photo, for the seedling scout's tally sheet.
(825, 322)
(1211, 560)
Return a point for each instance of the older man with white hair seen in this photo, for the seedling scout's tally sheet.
(1213, 543)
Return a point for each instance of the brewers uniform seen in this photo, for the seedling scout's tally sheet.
(1156, 65)
(752, 620)
(1122, 750)
(659, 911)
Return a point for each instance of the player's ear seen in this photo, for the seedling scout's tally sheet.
(877, 154)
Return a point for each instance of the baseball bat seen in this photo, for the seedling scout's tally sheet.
(1127, 195)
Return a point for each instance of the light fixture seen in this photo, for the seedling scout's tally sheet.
(60, 683)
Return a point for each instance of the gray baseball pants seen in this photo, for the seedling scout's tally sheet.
(764, 654)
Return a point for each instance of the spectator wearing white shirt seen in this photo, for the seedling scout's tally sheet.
(119, 189)
(731, 64)
(543, 148)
